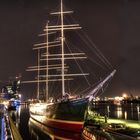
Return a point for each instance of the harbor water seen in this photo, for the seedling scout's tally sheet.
(30, 130)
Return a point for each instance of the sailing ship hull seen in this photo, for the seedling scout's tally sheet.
(68, 115)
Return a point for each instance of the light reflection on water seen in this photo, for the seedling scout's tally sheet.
(138, 112)
(36, 134)
(125, 115)
(40, 132)
(120, 111)
(31, 132)
(15, 114)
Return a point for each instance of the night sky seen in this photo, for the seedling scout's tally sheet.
(113, 25)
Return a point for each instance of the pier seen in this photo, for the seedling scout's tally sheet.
(8, 129)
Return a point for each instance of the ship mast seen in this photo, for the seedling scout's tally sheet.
(47, 53)
(62, 51)
(38, 73)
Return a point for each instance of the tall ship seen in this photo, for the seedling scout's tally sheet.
(62, 107)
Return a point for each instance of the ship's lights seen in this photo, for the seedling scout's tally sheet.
(38, 108)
